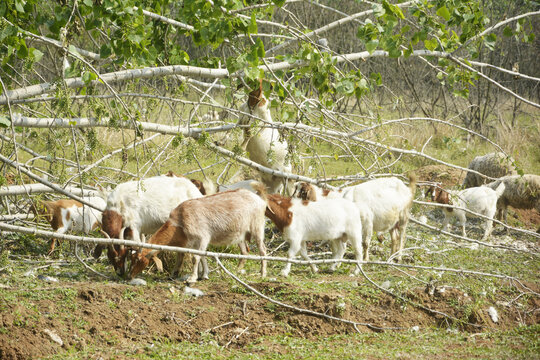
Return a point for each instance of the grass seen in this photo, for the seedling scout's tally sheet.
(21, 253)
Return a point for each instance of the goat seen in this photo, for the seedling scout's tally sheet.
(141, 207)
(520, 192)
(70, 215)
(300, 221)
(389, 200)
(244, 184)
(226, 218)
(205, 187)
(310, 192)
(494, 165)
(307, 191)
(264, 146)
(482, 200)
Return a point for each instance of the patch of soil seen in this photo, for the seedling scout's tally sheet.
(119, 316)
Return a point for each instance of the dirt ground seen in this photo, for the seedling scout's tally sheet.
(129, 318)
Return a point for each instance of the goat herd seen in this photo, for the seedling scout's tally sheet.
(190, 214)
(185, 213)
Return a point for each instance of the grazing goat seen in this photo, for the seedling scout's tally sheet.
(244, 184)
(205, 187)
(300, 221)
(390, 202)
(70, 215)
(227, 218)
(494, 165)
(520, 192)
(482, 200)
(141, 207)
(307, 191)
(264, 145)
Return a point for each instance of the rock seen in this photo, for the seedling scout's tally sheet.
(193, 291)
(54, 336)
(48, 279)
(415, 328)
(386, 285)
(137, 282)
(423, 219)
(493, 314)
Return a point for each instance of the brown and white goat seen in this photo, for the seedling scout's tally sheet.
(227, 218)
(481, 199)
(264, 145)
(300, 221)
(141, 207)
(70, 215)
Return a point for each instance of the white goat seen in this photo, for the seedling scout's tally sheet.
(141, 207)
(244, 184)
(310, 192)
(481, 200)
(227, 218)
(389, 201)
(264, 145)
(300, 221)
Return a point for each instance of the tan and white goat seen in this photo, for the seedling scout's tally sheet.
(227, 218)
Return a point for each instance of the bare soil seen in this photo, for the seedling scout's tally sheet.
(120, 316)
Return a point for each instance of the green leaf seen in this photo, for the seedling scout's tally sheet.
(252, 28)
(430, 44)
(88, 76)
(279, 3)
(4, 121)
(35, 54)
(444, 13)
(508, 31)
(372, 45)
(19, 5)
(490, 41)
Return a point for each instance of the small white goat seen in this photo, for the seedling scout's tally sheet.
(227, 218)
(390, 202)
(264, 145)
(141, 207)
(70, 215)
(482, 200)
(307, 191)
(494, 165)
(300, 221)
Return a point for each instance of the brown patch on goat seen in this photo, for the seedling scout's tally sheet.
(168, 234)
(441, 196)
(52, 212)
(111, 223)
(255, 97)
(199, 185)
(306, 192)
(278, 211)
(173, 174)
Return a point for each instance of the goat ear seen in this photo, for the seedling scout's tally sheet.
(310, 195)
(159, 264)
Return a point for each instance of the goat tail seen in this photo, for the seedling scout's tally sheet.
(412, 182)
(500, 189)
(260, 189)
